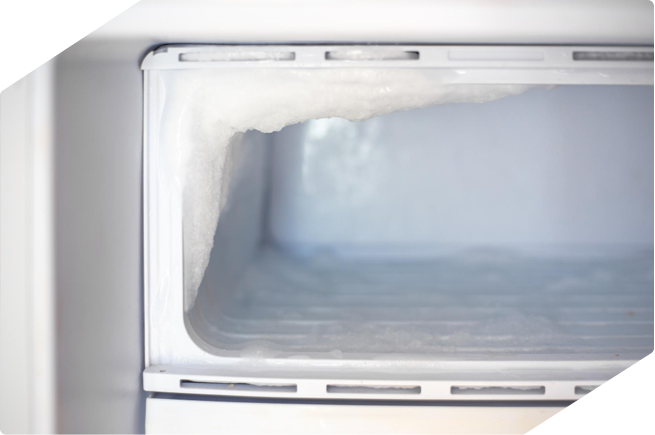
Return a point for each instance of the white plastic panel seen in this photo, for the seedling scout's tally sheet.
(485, 379)
(175, 414)
(15, 337)
(456, 64)
(98, 249)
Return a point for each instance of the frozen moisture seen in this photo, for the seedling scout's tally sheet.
(439, 307)
(206, 110)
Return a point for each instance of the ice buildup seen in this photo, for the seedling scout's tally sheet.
(211, 108)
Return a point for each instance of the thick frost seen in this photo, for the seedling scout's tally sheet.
(206, 110)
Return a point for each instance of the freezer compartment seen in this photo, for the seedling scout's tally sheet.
(514, 230)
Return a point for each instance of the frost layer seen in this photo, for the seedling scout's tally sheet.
(206, 110)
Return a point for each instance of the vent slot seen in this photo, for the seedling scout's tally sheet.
(237, 56)
(371, 55)
(239, 386)
(498, 56)
(501, 391)
(614, 389)
(374, 389)
(614, 56)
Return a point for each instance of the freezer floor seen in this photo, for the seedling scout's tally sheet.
(478, 303)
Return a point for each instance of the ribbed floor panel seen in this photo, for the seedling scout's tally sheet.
(492, 303)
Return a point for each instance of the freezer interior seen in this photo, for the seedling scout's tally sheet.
(517, 229)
